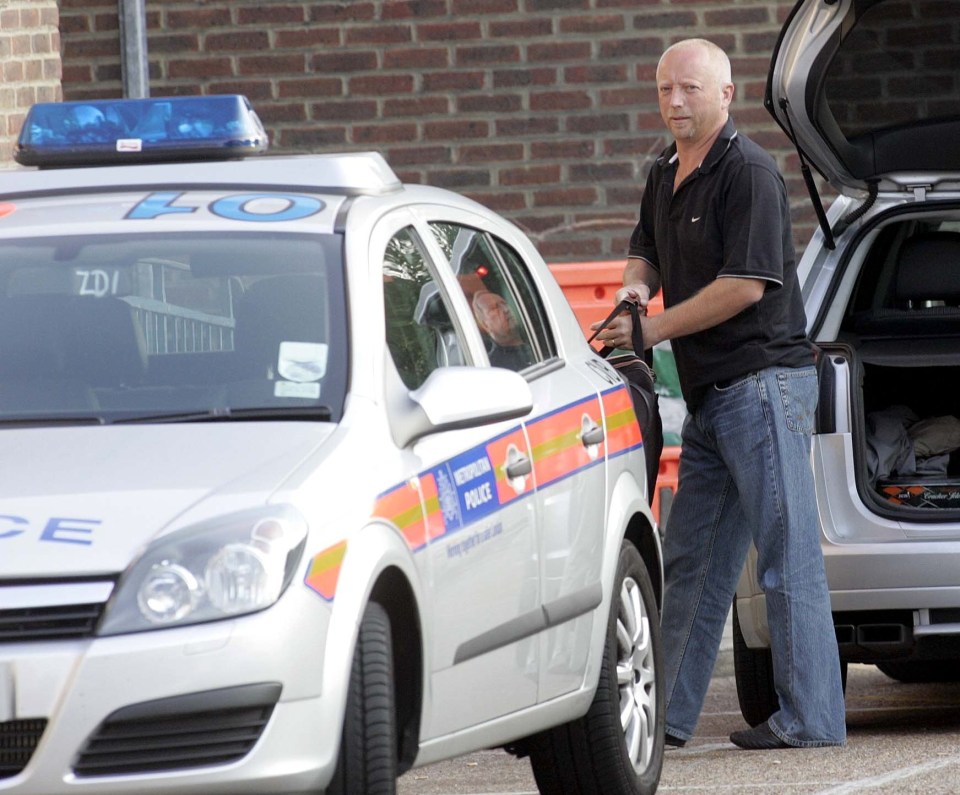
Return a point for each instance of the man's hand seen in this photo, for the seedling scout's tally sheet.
(640, 281)
(619, 332)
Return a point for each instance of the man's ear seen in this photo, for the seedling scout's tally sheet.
(727, 89)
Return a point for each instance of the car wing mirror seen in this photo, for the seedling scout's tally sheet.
(453, 398)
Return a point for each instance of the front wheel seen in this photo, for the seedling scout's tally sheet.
(617, 747)
(368, 749)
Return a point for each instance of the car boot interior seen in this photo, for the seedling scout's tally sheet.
(900, 337)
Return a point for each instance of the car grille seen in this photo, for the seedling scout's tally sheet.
(196, 730)
(48, 623)
(18, 739)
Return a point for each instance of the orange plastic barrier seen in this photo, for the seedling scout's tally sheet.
(591, 289)
(666, 484)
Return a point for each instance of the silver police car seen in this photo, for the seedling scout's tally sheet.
(308, 477)
(868, 92)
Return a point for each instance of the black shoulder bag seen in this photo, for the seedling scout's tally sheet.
(635, 369)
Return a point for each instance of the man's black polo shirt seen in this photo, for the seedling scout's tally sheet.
(729, 218)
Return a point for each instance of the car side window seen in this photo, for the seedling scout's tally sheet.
(421, 335)
(495, 282)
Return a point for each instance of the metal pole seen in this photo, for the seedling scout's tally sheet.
(133, 45)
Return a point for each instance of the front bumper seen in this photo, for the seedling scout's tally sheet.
(225, 708)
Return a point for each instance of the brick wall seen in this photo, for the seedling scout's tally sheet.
(29, 64)
(541, 109)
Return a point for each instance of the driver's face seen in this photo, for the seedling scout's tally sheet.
(496, 318)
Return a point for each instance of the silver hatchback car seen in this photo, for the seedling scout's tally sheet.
(308, 477)
(870, 94)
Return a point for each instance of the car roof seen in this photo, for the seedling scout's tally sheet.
(869, 90)
(355, 173)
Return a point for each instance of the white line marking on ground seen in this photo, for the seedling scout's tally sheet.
(889, 778)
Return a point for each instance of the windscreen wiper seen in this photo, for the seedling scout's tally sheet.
(54, 419)
(315, 413)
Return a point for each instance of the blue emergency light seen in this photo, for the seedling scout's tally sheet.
(112, 131)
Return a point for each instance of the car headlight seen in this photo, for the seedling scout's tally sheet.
(221, 568)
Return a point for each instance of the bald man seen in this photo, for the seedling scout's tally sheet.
(714, 234)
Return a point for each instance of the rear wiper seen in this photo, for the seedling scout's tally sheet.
(321, 413)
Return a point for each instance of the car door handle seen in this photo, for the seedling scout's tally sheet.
(591, 436)
(519, 467)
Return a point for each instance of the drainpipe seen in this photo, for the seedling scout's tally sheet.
(133, 48)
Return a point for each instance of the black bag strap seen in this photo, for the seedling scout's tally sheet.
(636, 336)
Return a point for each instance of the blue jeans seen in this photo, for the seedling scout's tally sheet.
(745, 476)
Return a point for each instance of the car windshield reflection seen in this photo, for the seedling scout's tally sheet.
(203, 325)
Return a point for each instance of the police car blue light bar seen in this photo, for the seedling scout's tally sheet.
(102, 132)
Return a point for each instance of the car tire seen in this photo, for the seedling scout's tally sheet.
(753, 670)
(597, 754)
(919, 671)
(367, 764)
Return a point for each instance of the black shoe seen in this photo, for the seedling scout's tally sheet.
(676, 742)
(759, 738)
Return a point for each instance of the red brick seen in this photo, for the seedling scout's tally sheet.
(594, 23)
(487, 54)
(414, 9)
(560, 100)
(508, 128)
(271, 15)
(106, 22)
(203, 18)
(490, 7)
(489, 103)
(489, 153)
(237, 41)
(498, 201)
(455, 130)
(200, 67)
(338, 62)
(459, 179)
(310, 138)
(524, 76)
(262, 65)
(352, 11)
(522, 28)
(596, 73)
(417, 58)
(383, 133)
(736, 17)
(449, 31)
(416, 106)
(453, 81)
(567, 150)
(564, 52)
(344, 111)
(381, 34)
(309, 87)
(534, 175)
(378, 85)
(179, 44)
(254, 90)
(418, 155)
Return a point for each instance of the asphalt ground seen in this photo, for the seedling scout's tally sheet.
(902, 739)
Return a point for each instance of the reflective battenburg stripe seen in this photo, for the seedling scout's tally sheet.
(474, 484)
(623, 430)
(556, 440)
(324, 570)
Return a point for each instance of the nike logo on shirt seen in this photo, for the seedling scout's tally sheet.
(695, 219)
